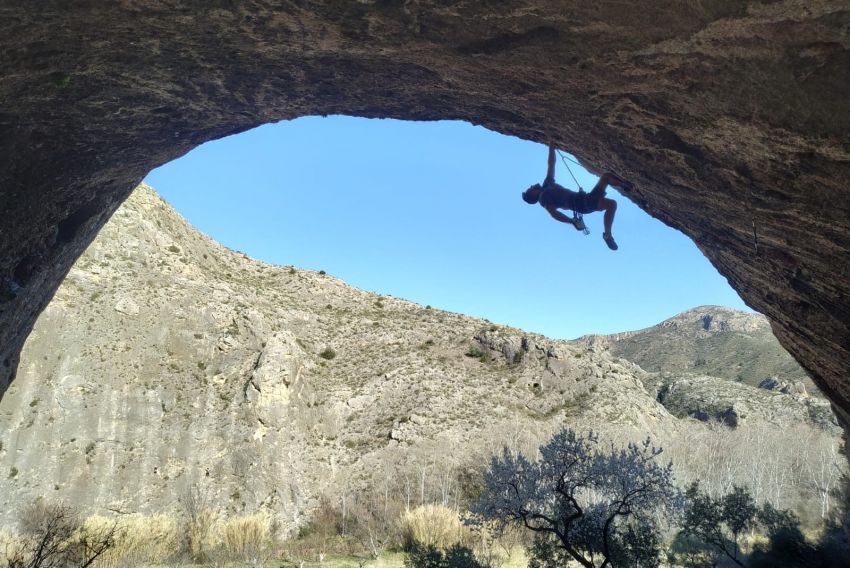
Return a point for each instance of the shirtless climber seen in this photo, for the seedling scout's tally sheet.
(553, 197)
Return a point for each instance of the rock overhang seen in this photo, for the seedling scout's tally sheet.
(732, 119)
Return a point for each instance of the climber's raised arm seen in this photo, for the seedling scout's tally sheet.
(550, 170)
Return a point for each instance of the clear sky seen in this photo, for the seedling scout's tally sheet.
(431, 212)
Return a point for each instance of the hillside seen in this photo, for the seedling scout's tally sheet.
(709, 340)
(168, 363)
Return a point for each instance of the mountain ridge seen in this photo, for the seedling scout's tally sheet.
(711, 340)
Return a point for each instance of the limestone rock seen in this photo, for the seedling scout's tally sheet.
(127, 306)
(710, 398)
(786, 387)
(730, 117)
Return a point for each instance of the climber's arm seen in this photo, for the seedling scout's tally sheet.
(558, 216)
(550, 171)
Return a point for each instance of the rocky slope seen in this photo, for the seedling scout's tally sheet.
(167, 362)
(730, 116)
(711, 340)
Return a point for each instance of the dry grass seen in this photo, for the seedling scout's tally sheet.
(246, 538)
(200, 533)
(141, 540)
(434, 525)
(154, 540)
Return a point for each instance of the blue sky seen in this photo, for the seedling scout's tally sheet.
(431, 212)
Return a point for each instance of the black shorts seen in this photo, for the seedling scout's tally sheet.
(588, 202)
(563, 198)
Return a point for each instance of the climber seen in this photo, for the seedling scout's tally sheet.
(553, 196)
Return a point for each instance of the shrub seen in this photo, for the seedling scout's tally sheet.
(328, 353)
(477, 353)
(456, 556)
(246, 538)
(325, 523)
(51, 535)
(199, 522)
(432, 525)
(788, 548)
(199, 533)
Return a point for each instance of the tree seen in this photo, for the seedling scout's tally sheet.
(200, 520)
(720, 522)
(600, 507)
(376, 524)
(788, 548)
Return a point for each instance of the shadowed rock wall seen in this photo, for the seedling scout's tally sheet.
(731, 117)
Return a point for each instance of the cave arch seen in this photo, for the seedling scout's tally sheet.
(731, 118)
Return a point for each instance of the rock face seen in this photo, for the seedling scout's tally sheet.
(711, 398)
(731, 117)
(708, 340)
(775, 384)
(166, 362)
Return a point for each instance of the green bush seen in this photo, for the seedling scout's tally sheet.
(477, 353)
(327, 353)
(456, 556)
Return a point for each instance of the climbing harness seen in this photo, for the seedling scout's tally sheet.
(578, 220)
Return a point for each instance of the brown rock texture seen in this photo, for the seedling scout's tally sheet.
(731, 117)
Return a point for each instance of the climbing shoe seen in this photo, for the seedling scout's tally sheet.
(609, 240)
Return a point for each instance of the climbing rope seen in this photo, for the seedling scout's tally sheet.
(576, 215)
(570, 159)
(564, 159)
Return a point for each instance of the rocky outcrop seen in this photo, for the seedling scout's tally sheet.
(711, 398)
(785, 387)
(731, 117)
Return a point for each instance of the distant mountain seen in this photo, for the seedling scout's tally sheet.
(167, 362)
(708, 340)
